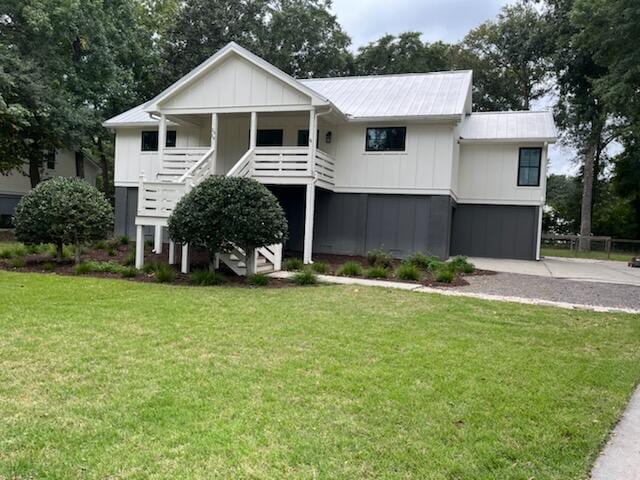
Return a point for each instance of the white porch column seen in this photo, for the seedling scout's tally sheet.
(253, 135)
(162, 135)
(214, 143)
(184, 264)
(172, 252)
(157, 239)
(313, 140)
(139, 247)
(309, 208)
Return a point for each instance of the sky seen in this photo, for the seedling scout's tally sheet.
(447, 20)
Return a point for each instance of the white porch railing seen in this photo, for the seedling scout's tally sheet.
(281, 162)
(180, 159)
(324, 167)
(200, 170)
(158, 199)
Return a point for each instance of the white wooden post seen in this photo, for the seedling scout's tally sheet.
(214, 143)
(157, 239)
(162, 136)
(253, 132)
(184, 264)
(139, 247)
(277, 265)
(172, 252)
(313, 141)
(308, 222)
(140, 193)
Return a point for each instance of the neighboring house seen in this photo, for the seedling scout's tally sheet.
(61, 163)
(397, 162)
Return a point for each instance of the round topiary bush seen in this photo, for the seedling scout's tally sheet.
(226, 212)
(63, 211)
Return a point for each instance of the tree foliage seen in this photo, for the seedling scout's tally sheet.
(226, 212)
(63, 211)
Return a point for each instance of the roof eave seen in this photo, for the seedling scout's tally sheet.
(408, 118)
(510, 140)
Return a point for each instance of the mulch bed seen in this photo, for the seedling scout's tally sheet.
(334, 262)
(44, 263)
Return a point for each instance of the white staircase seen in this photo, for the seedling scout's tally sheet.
(182, 169)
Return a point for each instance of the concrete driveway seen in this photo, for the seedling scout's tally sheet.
(577, 269)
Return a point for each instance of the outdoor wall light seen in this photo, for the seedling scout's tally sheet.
(327, 137)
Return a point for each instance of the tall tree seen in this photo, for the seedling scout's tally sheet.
(511, 58)
(406, 53)
(580, 111)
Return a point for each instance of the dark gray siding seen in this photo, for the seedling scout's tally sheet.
(495, 231)
(354, 223)
(292, 200)
(125, 213)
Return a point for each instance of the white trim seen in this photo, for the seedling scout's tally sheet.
(532, 140)
(218, 57)
(241, 109)
(539, 236)
(393, 190)
(494, 201)
(309, 209)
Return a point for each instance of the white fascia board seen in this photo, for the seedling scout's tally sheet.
(408, 118)
(508, 140)
(232, 47)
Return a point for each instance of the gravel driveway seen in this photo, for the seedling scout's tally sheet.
(555, 289)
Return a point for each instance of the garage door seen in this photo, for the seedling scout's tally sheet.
(495, 231)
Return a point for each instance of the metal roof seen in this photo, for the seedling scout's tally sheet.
(509, 126)
(409, 95)
(134, 117)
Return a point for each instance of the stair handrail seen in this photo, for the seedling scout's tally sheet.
(239, 164)
(196, 166)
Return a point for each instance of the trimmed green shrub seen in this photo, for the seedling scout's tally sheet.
(408, 271)
(379, 258)
(377, 272)
(350, 269)
(460, 264)
(206, 278)
(292, 264)
(128, 272)
(221, 213)
(444, 275)
(165, 274)
(258, 280)
(82, 268)
(18, 262)
(62, 211)
(305, 277)
(320, 267)
(48, 266)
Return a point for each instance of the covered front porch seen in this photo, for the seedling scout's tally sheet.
(273, 147)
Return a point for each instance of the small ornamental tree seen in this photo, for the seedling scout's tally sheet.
(63, 211)
(223, 212)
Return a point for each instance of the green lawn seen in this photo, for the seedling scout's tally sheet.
(116, 379)
(563, 252)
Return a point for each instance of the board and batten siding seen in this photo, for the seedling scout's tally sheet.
(423, 168)
(131, 161)
(488, 174)
(236, 82)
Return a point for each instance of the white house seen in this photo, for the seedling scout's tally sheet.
(398, 162)
(61, 163)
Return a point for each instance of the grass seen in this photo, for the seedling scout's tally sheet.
(105, 378)
(596, 255)
(206, 278)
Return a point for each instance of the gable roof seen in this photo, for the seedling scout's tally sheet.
(509, 127)
(218, 57)
(388, 96)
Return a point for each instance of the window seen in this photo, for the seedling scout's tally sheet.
(303, 137)
(269, 138)
(387, 139)
(529, 167)
(50, 158)
(150, 140)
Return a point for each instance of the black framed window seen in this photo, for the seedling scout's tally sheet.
(386, 139)
(50, 159)
(529, 167)
(269, 138)
(150, 140)
(303, 137)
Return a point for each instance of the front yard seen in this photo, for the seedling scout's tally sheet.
(104, 378)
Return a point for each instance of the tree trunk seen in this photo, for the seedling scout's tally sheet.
(78, 250)
(104, 165)
(34, 171)
(587, 195)
(59, 250)
(80, 164)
